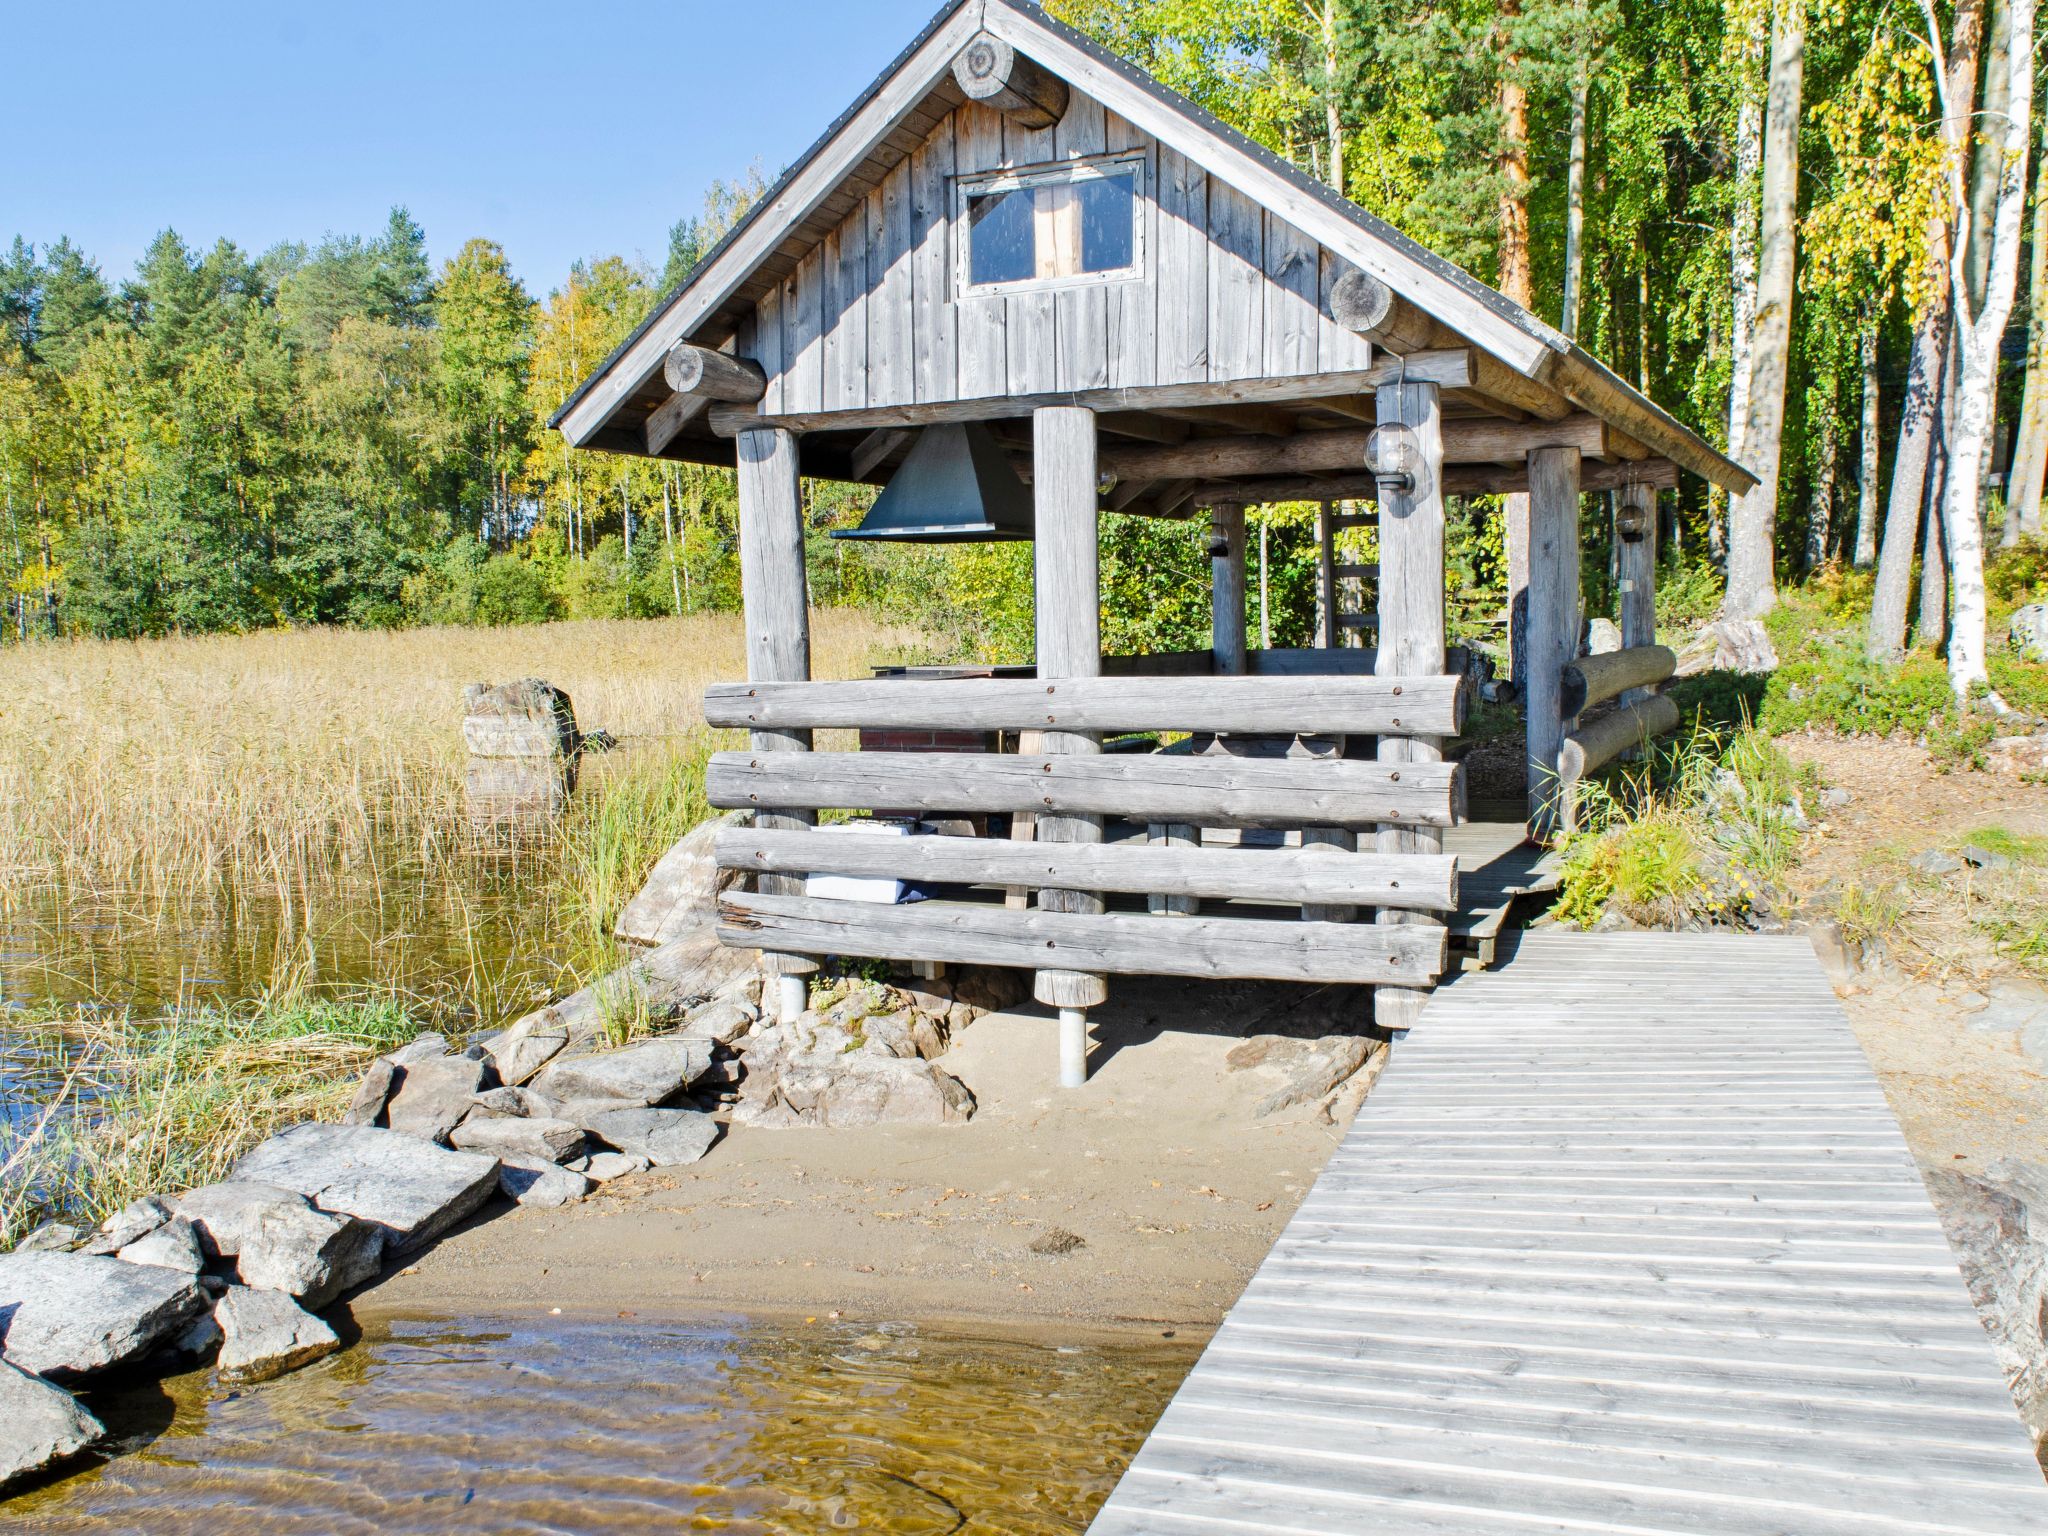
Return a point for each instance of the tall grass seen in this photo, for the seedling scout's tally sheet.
(1696, 834)
(163, 1104)
(298, 799)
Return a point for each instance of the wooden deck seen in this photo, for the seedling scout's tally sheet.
(1625, 1240)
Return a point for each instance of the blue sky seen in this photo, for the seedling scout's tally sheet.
(558, 130)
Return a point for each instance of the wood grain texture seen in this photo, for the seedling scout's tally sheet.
(1553, 622)
(1066, 565)
(1599, 743)
(963, 933)
(1336, 706)
(982, 320)
(1174, 865)
(1237, 308)
(1594, 680)
(1590, 1260)
(1635, 572)
(1412, 636)
(934, 322)
(1209, 791)
(776, 612)
(892, 308)
(1226, 588)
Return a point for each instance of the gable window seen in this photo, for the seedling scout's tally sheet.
(1052, 225)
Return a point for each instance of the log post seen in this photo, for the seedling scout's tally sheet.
(1635, 543)
(1226, 589)
(1412, 638)
(776, 603)
(1553, 622)
(1068, 578)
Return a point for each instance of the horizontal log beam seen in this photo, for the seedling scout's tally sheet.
(1361, 302)
(1459, 480)
(1416, 706)
(993, 73)
(1108, 944)
(1169, 787)
(1293, 876)
(669, 419)
(1596, 679)
(1343, 449)
(1594, 746)
(730, 421)
(694, 370)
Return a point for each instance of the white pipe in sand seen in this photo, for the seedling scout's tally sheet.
(1073, 1047)
(792, 995)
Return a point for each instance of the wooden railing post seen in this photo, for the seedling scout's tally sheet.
(1226, 591)
(775, 597)
(1553, 639)
(1636, 571)
(1069, 593)
(1412, 639)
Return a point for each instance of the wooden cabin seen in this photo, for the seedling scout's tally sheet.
(1018, 261)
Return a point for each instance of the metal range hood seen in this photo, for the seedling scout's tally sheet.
(956, 487)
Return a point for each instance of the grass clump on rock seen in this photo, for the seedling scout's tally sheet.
(171, 1103)
(1696, 836)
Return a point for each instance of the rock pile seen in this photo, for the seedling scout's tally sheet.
(1998, 1225)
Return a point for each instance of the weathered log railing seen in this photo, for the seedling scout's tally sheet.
(1630, 675)
(1309, 794)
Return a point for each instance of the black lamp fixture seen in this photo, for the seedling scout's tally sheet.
(956, 487)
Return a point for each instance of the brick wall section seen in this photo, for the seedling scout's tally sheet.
(925, 741)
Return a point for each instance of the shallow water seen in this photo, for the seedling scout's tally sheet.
(507, 1425)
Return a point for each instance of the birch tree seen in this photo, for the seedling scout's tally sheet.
(1979, 327)
(1752, 516)
(2030, 455)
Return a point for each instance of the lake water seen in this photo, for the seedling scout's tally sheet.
(502, 1425)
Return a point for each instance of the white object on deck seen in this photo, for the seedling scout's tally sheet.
(882, 892)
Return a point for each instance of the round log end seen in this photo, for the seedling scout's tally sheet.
(1361, 302)
(983, 68)
(684, 368)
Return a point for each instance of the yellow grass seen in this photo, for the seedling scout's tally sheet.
(155, 767)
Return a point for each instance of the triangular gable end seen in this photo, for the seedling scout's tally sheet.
(849, 284)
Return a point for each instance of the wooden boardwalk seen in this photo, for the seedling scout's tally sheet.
(1625, 1240)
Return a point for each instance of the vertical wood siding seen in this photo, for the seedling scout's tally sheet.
(870, 317)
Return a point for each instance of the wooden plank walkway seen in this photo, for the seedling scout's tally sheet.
(1625, 1240)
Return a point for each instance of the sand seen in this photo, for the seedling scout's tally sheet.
(1175, 1188)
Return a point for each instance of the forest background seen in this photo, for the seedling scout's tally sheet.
(1803, 226)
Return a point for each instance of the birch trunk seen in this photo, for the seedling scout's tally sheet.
(1333, 105)
(1575, 195)
(1867, 465)
(1924, 391)
(2030, 457)
(1978, 332)
(1820, 519)
(1752, 516)
(1749, 154)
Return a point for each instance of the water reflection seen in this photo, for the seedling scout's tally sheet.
(493, 1425)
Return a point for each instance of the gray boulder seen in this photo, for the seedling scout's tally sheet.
(265, 1334)
(72, 1315)
(603, 1167)
(667, 1138)
(636, 1077)
(412, 1189)
(137, 1219)
(722, 1023)
(518, 1103)
(427, 1047)
(372, 1093)
(2028, 633)
(434, 1096)
(51, 1237)
(1729, 645)
(537, 1182)
(525, 719)
(682, 893)
(550, 1140)
(864, 1088)
(41, 1426)
(174, 1245)
(1998, 1226)
(273, 1239)
(1292, 1071)
(521, 1051)
(1603, 636)
(1935, 862)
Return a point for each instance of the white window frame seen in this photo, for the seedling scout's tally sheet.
(1064, 172)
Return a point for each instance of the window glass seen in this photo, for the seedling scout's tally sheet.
(1001, 238)
(1057, 224)
(1106, 222)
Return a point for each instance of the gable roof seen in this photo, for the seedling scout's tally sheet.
(699, 309)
